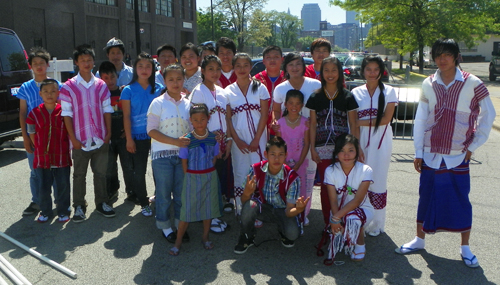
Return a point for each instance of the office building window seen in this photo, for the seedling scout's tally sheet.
(191, 10)
(143, 5)
(104, 2)
(165, 7)
(183, 12)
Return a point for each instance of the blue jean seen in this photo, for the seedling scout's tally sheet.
(168, 176)
(33, 179)
(59, 177)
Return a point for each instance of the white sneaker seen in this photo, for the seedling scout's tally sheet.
(146, 211)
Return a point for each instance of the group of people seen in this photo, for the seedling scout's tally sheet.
(222, 140)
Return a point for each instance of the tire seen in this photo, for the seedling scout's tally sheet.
(492, 77)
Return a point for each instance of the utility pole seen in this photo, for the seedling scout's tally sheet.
(137, 27)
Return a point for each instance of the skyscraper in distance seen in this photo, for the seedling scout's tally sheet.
(311, 16)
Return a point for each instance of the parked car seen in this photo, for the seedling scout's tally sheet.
(352, 68)
(258, 65)
(14, 71)
(494, 68)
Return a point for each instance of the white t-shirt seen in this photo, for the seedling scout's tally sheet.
(308, 87)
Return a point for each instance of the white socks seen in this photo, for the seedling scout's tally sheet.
(416, 243)
(168, 231)
(358, 253)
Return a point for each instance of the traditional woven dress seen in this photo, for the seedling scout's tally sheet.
(201, 197)
(245, 119)
(347, 186)
(377, 147)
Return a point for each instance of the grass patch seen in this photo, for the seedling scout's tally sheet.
(415, 78)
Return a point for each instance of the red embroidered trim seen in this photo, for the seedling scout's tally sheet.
(246, 107)
(378, 200)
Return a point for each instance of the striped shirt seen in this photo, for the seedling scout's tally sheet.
(86, 103)
(51, 138)
(30, 92)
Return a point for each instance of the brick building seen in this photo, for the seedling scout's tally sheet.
(60, 25)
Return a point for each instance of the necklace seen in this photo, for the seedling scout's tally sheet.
(200, 137)
(292, 123)
(331, 97)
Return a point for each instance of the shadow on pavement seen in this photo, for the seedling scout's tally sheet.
(444, 269)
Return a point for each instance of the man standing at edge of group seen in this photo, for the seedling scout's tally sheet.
(320, 49)
(115, 51)
(454, 118)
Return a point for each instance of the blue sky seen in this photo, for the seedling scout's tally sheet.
(333, 14)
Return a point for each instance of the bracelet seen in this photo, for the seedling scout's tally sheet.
(229, 139)
(334, 220)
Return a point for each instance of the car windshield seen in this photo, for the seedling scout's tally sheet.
(354, 61)
(12, 56)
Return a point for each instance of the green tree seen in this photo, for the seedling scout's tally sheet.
(290, 27)
(259, 29)
(237, 13)
(305, 42)
(221, 26)
(413, 24)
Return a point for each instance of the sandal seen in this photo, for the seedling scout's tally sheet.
(468, 261)
(207, 245)
(174, 251)
(406, 250)
(218, 226)
(354, 254)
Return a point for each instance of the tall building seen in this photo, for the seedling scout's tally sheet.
(60, 25)
(311, 16)
(350, 17)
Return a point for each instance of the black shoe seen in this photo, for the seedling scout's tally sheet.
(105, 210)
(286, 242)
(185, 237)
(79, 215)
(171, 237)
(32, 209)
(243, 244)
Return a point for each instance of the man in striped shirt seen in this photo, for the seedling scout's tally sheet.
(86, 108)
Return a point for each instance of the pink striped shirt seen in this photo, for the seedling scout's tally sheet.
(88, 105)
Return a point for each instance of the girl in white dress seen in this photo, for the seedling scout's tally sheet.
(347, 182)
(247, 113)
(376, 103)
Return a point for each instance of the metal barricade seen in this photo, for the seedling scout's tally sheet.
(404, 114)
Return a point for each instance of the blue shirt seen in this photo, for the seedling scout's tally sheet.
(124, 76)
(140, 99)
(30, 92)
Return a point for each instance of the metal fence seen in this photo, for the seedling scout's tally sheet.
(404, 114)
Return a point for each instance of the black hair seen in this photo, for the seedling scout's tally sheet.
(38, 52)
(166, 47)
(272, 48)
(381, 98)
(49, 81)
(208, 59)
(121, 47)
(277, 142)
(340, 80)
(321, 42)
(151, 79)
(200, 108)
(225, 43)
(83, 49)
(208, 47)
(189, 46)
(445, 46)
(291, 57)
(241, 55)
(172, 67)
(107, 67)
(341, 141)
(293, 93)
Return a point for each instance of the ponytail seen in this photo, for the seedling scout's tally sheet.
(381, 104)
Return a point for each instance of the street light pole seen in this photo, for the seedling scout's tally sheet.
(212, 11)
